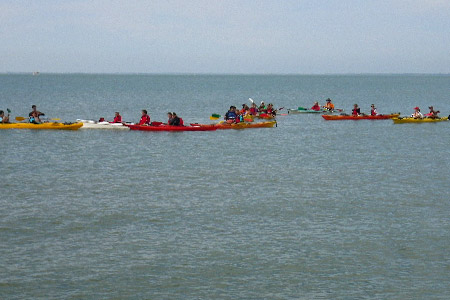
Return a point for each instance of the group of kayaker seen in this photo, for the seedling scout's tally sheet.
(173, 119)
(433, 114)
(417, 114)
(233, 115)
(33, 116)
(356, 111)
(328, 106)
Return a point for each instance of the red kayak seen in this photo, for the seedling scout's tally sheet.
(164, 127)
(367, 117)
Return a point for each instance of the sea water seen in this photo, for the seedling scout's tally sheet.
(310, 209)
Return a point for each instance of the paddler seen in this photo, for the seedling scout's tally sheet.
(231, 115)
(356, 110)
(175, 120)
(417, 114)
(433, 114)
(316, 106)
(262, 108)
(34, 115)
(117, 118)
(169, 117)
(270, 110)
(3, 118)
(244, 109)
(145, 118)
(329, 106)
(253, 109)
(373, 110)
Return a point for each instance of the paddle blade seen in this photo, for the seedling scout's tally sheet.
(55, 119)
(20, 118)
(251, 100)
(213, 118)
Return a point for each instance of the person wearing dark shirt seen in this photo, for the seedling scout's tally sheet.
(175, 120)
(356, 110)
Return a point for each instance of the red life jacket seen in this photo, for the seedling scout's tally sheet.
(145, 120)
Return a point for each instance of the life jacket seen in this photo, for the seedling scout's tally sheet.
(253, 110)
(230, 115)
(181, 122)
(315, 107)
(356, 111)
(117, 119)
(373, 112)
(145, 120)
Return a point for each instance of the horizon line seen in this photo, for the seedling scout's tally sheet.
(33, 73)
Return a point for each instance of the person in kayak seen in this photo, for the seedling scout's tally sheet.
(231, 115)
(316, 106)
(253, 109)
(145, 118)
(270, 110)
(432, 114)
(262, 108)
(34, 115)
(329, 106)
(356, 110)
(417, 114)
(169, 117)
(175, 120)
(117, 118)
(3, 118)
(245, 109)
(373, 110)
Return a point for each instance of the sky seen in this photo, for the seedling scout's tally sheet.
(225, 37)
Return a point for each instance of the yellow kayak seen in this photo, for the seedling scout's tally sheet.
(412, 120)
(50, 125)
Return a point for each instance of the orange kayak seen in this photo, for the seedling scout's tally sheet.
(350, 117)
(242, 125)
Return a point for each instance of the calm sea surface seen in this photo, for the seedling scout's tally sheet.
(311, 209)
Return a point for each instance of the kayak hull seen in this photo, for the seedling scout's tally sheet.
(242, 125)
(412, 120)
(265, 116)
(170, 128)
(88, 124)
(42, 126)
(340, 117)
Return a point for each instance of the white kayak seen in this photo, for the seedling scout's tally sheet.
(89, 124)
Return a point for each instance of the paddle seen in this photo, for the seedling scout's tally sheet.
(214, 117)
(23, 118)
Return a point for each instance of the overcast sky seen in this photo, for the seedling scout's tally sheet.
(229, 36)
